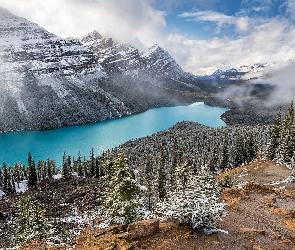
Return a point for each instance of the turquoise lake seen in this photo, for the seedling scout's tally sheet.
(14, 146)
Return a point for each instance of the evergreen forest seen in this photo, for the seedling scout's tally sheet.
(168, 175)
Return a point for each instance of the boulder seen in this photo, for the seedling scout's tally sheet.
(142, 228)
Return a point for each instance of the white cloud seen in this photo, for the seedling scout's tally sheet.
(256, 5)
(125, 20)
(242, 24)
(254, 40)
(272, 41)
(209, 16)
(290, 8)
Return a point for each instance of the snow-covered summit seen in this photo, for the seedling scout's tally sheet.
(246, 72)
(43, 78)
(125, 59)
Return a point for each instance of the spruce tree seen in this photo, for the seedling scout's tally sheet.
(41, 170)
(224, 163)
(161, 180)
(92, 164)
(66, 167)
(50, 168)
(1, 179)
(32, 174)
(149, 184)
(287, 143)
(239, 156)
(174, 164)
(274, 137)
(30, 222)
(8, 181)
(123, 201)
(195, 201)
(251, 148)
(97, 169)
(107, 165)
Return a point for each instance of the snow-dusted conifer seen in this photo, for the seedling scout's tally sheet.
(194, 201)
(8, 180)
(287, 143)
(161, 180)
(251, 148)
(30, 222)
(66, 165)
(224, 158)
(274, 137)
(149, 194)
(107, 165)
(123, 201)
(92, 163)
(32, 174)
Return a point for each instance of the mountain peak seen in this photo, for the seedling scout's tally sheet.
(4, 13)
(92, 36)
(155, 47)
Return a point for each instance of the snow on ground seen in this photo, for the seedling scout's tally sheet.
(57, 176)
(21, 186)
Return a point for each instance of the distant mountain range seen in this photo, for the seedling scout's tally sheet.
(249, 72)
(49, 82)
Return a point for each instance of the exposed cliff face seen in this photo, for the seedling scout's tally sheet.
(47, 81)
(154, 63)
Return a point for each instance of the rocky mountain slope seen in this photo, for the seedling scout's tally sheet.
(47, 81)
(142, 79)
(127, 60)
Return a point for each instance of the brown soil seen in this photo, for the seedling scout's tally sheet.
(259, 216)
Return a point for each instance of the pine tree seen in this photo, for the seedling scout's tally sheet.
(107, 165)
(224, 163)
(41, 170)
(78, 168)
(148, 183)
(123, 201)
(274, 137)
(8, 181)
(213, 162)
(92, 163)
(161, 185)
(1, 179)
(32, 174)
(66, 167)
(50, 168)
(287, 143)
(251, 148)
(239, 156)
(97, 169)
(30, 222)
(174, 164)
(195, 203)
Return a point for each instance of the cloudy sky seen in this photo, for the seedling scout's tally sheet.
(202, 35)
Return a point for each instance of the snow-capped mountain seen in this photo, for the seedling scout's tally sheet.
(48, 81)
(253, 71)
(125, 59)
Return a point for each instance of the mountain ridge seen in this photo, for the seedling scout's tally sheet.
(49, 82)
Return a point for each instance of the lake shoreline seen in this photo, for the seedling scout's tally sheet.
(102, 135)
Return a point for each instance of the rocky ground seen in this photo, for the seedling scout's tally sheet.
(260, 215)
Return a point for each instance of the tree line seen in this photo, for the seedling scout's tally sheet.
(165, 175)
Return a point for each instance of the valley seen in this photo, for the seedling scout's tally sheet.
(161, 159)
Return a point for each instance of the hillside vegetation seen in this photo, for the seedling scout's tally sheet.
(166, 176)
